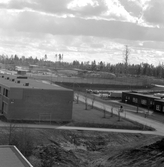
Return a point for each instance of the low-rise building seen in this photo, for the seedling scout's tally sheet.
(27, 99)
(159, 106)
(143, 100)
(138, 99)
(21, 72)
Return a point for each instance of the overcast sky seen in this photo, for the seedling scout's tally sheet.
(84, 30)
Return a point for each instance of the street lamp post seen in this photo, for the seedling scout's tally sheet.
(51, 77)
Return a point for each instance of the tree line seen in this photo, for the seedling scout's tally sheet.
(123, 68)
(118, 69)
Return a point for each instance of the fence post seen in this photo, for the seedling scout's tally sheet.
(119, 115)
(145, 114)
(111, 111)
(137, 108)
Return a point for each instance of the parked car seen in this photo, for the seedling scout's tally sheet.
(95, 92)
(104, 95)
(89, 90)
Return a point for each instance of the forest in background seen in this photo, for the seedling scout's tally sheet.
(118, 69)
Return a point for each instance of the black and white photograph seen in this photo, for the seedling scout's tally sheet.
(81, 83)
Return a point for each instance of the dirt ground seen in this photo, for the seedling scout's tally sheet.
(78, 148)
(94, 149)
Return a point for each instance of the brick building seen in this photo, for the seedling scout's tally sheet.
(26, 99)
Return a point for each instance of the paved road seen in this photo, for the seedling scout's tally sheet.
(145, 121)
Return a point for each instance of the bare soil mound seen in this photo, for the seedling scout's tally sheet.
(147, 156)
(93, 149)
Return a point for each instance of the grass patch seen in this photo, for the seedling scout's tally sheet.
(95, 118)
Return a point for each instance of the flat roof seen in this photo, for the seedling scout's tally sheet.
(144, 95)
(11, 156)
(160, 100)
(33, 84)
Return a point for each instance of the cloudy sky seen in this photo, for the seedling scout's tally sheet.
(84, 30)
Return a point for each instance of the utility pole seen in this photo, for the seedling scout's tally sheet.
(126, 58)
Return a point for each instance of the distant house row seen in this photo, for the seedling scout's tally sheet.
(142, 100)
(31, 68)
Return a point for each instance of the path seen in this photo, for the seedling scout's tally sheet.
(145, 121)
(43, 126)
